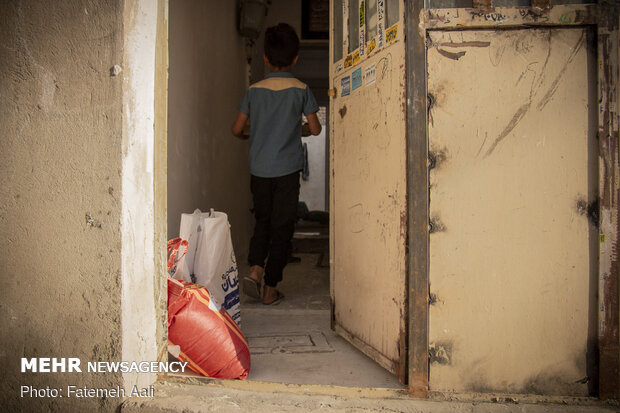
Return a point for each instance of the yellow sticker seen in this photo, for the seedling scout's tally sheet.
(371, 47)
(391, 33)
(362, 16)
(356, 57)
(348, 62)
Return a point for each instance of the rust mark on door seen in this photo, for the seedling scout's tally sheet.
(342, 111)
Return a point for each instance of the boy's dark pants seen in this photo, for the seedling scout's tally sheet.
(275, 210)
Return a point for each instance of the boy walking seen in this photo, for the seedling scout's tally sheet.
(274, 106)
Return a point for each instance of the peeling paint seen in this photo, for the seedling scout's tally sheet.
(609, 171)
(559, 15)
(465, 44)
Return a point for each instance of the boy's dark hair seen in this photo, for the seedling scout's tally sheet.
(281, 45)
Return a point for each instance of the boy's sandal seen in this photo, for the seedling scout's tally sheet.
(277, 300)
(251, 288)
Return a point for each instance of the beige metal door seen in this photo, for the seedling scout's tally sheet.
(368, 174)
(513, 253)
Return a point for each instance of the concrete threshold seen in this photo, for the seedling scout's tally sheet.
(300, 365)
(199, 394)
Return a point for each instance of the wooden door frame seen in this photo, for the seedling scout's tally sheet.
(418, 20)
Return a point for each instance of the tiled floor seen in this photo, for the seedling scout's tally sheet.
(293, 343)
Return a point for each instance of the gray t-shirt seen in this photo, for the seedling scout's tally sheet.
(275, 105)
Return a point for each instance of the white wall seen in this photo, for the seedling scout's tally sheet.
(138, 303)
(312, 191)
(207, 165)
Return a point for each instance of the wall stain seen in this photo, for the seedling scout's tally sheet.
(590, 209)
(533, 15)
(554, 85)
(430, 104)
(610, 224)
(436, 158)
(92, 222)
(512, 400)
(451, 55)
(435, 225)
(343, 111)
(466, 44)
(522, 111)
(440, 352)
(518, 116)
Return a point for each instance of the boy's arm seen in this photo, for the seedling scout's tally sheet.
(238, 125)
(313, 124)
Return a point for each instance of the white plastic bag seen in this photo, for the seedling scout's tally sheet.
(210, 258)
(190, 225)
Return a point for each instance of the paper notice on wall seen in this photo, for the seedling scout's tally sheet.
(357, 78)
(345, 83)
(370, 74)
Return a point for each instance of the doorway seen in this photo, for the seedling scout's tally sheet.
(207, 168)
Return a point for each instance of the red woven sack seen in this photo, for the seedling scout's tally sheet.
(211, 342)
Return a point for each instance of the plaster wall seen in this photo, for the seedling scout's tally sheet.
(280, 11)
(207, 165)
(60, 213)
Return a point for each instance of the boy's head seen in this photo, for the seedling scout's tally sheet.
(281, 45)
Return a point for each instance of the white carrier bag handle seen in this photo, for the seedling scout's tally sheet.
(215, 265)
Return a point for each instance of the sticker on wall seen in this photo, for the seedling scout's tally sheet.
(371, 47)
(348, 62)
(362, 26)
(362, 42)
(370, 74)
(357, 78)
(380, 17)
(339, 68)
(345, 83)
(391, 33)
(362, 13)
(356, 57)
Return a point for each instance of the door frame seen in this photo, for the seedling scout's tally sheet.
(418, 21)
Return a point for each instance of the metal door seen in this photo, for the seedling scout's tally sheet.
(368, 179)
(513, 186)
